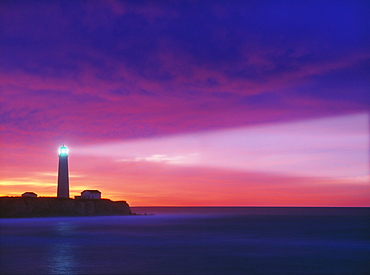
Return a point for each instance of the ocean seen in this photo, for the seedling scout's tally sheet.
(191, 240)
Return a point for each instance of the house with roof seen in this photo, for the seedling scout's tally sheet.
(90, 194)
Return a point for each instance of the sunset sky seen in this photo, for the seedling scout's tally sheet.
(188, 103)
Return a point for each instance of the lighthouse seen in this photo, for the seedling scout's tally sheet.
(63, 179)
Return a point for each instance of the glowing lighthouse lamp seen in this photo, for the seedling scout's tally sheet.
(63, 151)
(63, 179)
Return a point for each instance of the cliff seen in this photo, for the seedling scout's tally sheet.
(20, 207)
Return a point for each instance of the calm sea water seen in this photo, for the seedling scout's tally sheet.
(192, 241)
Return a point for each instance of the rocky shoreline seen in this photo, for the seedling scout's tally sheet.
(26, 207)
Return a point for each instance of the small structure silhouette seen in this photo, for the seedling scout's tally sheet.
(29, 195)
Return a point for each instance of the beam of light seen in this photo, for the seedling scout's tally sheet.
(335, 147)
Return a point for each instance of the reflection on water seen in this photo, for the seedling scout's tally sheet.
(61, 259)
(239, 241)
(61, 256)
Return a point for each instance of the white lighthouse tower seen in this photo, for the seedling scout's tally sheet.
(63, 179)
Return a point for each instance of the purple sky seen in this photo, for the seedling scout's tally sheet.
(252, 86)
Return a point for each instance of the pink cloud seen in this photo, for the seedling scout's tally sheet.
(168, 171)
(149, 182)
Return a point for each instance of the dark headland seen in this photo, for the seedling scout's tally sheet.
(24, 207)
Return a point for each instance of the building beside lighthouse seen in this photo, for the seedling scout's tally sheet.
(63, 178)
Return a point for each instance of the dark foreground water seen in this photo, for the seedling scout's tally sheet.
(192, 241)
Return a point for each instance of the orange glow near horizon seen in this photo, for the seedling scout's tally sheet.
(201, 171)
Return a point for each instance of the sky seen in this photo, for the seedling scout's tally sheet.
(188, 103)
